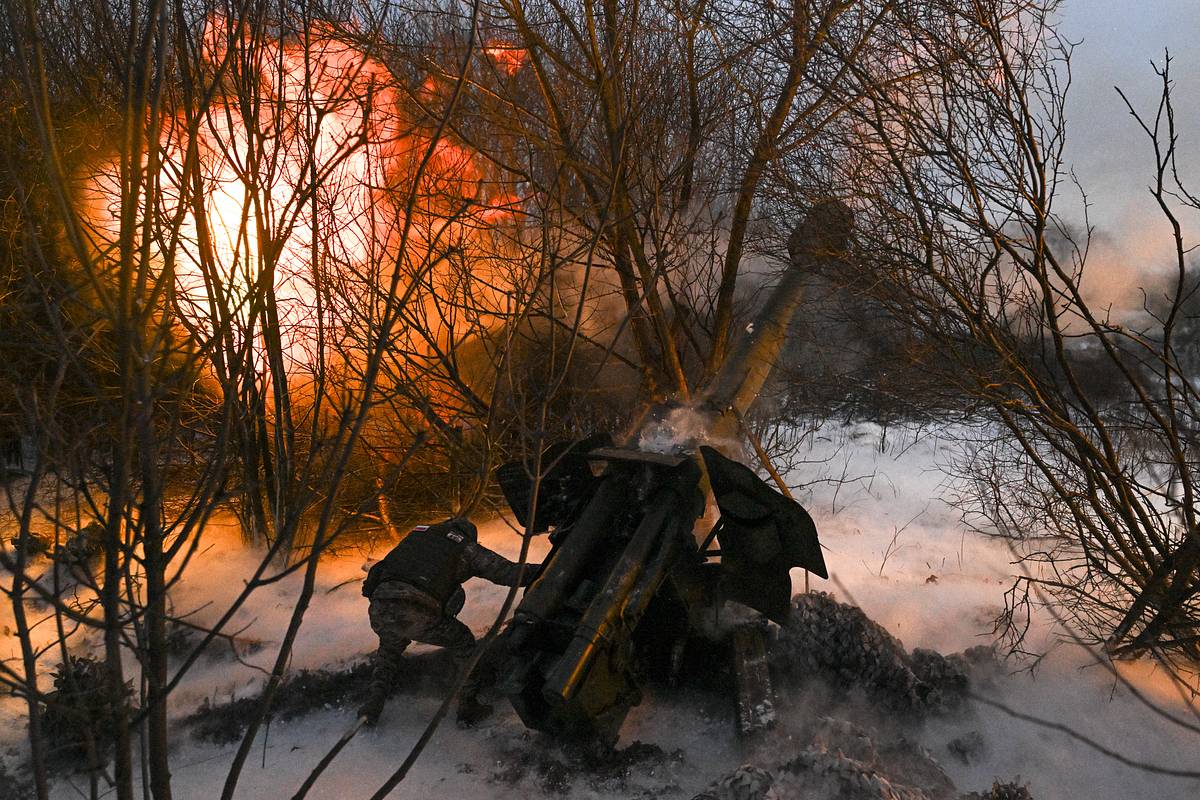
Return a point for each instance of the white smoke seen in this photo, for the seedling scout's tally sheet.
(684, 429)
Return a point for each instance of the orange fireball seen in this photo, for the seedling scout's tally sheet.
(297, 210)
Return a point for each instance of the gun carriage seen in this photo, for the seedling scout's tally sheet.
(631, 578)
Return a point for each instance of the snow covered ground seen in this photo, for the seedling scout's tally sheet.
(894, 549)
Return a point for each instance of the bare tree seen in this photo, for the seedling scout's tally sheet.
(329, 235)
(230, 279)
(1086, 421)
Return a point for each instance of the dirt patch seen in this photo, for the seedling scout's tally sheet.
(78, 714)
(319, 690)
(638, 771)
(14, 785)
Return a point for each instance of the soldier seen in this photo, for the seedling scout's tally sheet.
(416, 592)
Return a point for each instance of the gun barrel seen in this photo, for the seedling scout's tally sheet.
(822, 236)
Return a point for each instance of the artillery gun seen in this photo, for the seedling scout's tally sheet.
(630, 581)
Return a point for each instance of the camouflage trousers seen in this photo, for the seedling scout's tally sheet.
(399, 619)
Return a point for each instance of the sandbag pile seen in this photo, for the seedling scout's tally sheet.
(833, 759)
(841, 762)
(845, 762)
(840, 644)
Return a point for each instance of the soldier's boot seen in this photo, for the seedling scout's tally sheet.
(471, 711)
(372, 707)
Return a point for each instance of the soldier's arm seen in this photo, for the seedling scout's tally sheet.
(483, 563)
